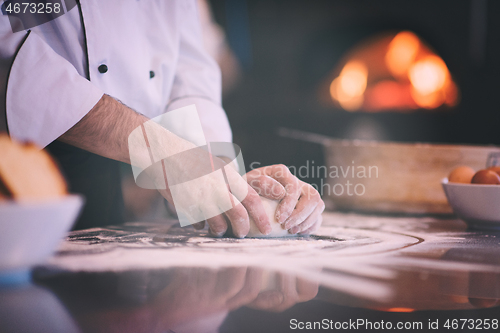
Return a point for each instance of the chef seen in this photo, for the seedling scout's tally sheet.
(80, 84)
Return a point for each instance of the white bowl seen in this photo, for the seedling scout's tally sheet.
(31, 231)
(477, 205)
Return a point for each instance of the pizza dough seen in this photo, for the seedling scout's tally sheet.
(277, 230)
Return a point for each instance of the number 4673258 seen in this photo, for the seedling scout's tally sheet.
(33, 8)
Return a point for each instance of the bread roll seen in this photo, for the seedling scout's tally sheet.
(27, 172)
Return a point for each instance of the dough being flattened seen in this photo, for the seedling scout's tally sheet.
(277, 230)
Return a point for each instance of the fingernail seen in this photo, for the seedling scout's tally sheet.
(268, 230)
(276, 298)
(217, 234)
(294, 230)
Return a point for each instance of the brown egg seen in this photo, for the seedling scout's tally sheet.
(495, 169)
(486, 177)
(461, 174)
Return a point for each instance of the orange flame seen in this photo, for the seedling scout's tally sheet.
(402, 52)
(348, 88)
(400, 310)
(413, 77)
(428, 78)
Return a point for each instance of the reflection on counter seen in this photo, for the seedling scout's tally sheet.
(155, 278)
(30, 308)
(180, 299)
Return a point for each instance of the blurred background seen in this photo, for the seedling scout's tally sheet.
(407, 71)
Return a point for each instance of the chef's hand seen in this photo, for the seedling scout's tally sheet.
(207, 195)
(300, 207)
(197, 292)
(282, 291)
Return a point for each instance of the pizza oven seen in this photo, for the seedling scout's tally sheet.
(412, 71)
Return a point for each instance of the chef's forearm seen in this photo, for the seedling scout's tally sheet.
(105, 129)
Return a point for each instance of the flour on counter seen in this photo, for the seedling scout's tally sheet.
(352, 253)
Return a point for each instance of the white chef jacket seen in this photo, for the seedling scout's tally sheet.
(44, 89)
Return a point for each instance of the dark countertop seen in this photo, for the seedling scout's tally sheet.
(159, 277)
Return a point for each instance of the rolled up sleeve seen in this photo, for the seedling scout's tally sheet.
(45, 95)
